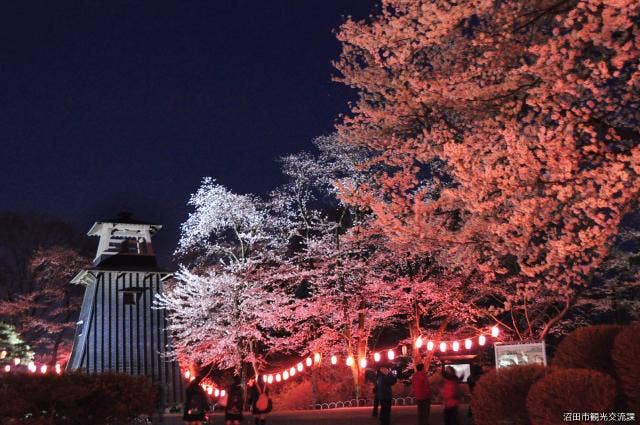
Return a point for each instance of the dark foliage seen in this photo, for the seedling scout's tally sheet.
(501, 396)
(75, 398)
(626, 358)
(570, 390)
(587, 348)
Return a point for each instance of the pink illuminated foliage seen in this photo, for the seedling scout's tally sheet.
(45, 316)
(505, 139)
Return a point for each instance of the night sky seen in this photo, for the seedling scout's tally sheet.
(109, 106)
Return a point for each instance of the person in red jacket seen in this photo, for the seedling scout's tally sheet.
(422, 393)
(451, 395)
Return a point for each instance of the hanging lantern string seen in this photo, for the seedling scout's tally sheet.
(16, 365)
(390, 354)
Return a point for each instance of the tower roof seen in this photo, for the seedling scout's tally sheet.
(124, 242)
(125, 218)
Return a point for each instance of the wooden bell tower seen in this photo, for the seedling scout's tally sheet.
(118, 330)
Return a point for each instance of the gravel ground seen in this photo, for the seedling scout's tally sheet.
(400, 415)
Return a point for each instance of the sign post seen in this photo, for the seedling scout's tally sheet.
(509, 354)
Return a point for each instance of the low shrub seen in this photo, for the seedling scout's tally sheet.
(294, 395)
(587, 348)
(626, 359)
(75, 398)
(501, 396)
(569, 391)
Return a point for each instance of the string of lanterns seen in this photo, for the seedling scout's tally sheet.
(210, 389)
(15, 365)
(443, 347)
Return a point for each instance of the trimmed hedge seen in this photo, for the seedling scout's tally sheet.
(501, 396)
(626, 358)
(75, 398)
(570, 390)
(587, 348)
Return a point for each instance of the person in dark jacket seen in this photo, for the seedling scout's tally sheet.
(422, 393)
(196, 405)
(475, 374)
(259, 414)
(235, 404)
(376, 402)
(451, 395)
(383, 392)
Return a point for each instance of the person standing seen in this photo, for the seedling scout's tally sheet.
(235, 402)
(475, 374)
(383, 392)
(451, 395)
(259, 401)
(422, 393)
(196, 404)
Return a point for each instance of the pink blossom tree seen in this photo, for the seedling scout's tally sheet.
(505, 139)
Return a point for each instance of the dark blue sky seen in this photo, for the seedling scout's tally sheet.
(111, 105)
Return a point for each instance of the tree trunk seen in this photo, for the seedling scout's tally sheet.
(414, 333)
(441, 329)
(314, 385)
(355, 374)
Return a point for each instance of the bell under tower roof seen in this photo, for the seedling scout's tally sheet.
(124, 241)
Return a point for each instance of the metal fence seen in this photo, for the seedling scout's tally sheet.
(398, 401)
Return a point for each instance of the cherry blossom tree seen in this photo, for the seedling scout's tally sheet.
(427, 298)
(38, 257)
(344, 262)
(220, 314)
(615, 294)
(505, 139)
(222, 319)
(344, 299)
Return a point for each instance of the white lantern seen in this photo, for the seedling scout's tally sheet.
(430, 345)
(467, 344)
(391, 354)
(482, 339)
(376, 357)
(443, 347)
(419, 342)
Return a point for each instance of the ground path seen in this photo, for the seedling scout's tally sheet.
(400, 415)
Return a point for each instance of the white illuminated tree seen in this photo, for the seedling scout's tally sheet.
(219, 312)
